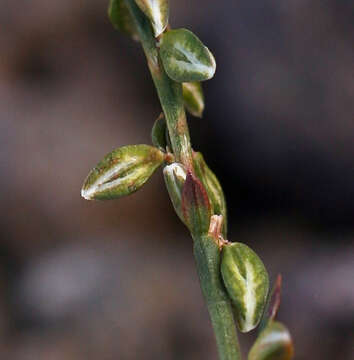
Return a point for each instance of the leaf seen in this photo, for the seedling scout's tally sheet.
(247, 284)
(273, 343)
(185, 58)
(122, 172)
(275, 298)
(175, 177)
(157, 11)
(193, 98)
(213, 188)
(121, 19)
(158, 133)
(273, 303)
(195, 205)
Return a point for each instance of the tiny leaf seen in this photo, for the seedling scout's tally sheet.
(193, 98)
(273, 343)
(246, 281)
(195, 205)
(213, 188)
(122, 172)
(275, 298)
(157, 11)
(121, 18)
(175, 177)
(185, 58)
(158, 133)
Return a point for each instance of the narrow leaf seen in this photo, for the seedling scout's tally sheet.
(275, 295)
(246, 281)
(195, 205)
(122, 172)
(213, 188)
(158, 133)
(175, 177)
(157, 11)
(185, 58)
(193, 98)
(273, 343)
(273, 303)
(121, 18)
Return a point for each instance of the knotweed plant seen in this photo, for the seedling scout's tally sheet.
(233, 279)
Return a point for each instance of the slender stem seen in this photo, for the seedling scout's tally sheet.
(206, 252)
(207, 256)
(169, 91)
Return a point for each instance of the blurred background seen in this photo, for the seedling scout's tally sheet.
(116, 280)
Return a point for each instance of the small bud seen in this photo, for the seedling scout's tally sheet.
(185, 58)
(195, 205)
(246, 281)
(158, 133)
(121, 19)
(273, 343)
(157, 11)
(213, 188)
(122, 172)
(175, 176)
(193, 98)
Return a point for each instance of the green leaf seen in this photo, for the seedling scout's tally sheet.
(185, 58)
(158, 133)
(273, 343)
(175, 177)
(213, 188)
(193, 98)
(195, 205)
(247, 284)
(121, 18)
(157, 11)
(122, 172)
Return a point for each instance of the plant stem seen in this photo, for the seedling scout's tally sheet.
(206, 253)
(169, 91)
(207, 256)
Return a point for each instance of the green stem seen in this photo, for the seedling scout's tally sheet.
(169, 91)
(207, 256)
(206, 253)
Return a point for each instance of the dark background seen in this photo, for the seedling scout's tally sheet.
(116, 280)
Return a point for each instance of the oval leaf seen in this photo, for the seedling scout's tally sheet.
(193, 98)
(247, 283)
(175, 177)
(121, 19)
(213, 188)
(157, 11)
(122, 172)
(185, 58)
(273, 343)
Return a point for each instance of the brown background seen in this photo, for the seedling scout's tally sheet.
(116, 280)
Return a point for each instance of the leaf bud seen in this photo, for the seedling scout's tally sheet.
(193, 98)
(175, 177)
(273, 343)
